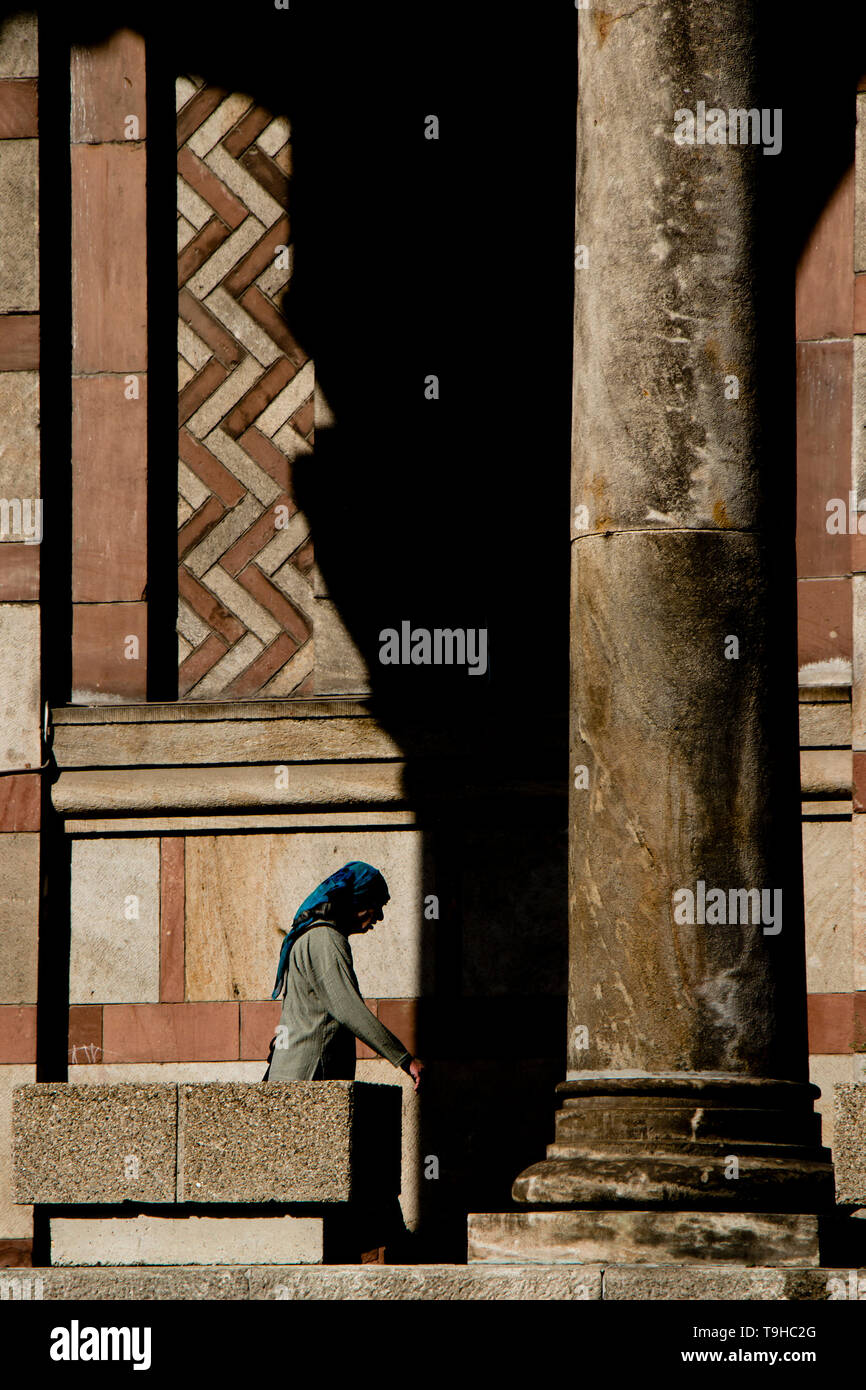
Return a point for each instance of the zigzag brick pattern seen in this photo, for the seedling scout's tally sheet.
(245, 408)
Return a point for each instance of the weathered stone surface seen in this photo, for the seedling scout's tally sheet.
(19, 46)
(111, 1073)
(827, 724)
(114, 956)
(19, 917)
(692, 1283)
(19, 462)
(15, 1220)
(107, 667)
(292, 1141)
(170, 788)
(638, 1237)
(107, 84)
(185, 1240)
(826, 772)
(428, 1282)
(827, 874)
(94, 1143)
(109, 269)
(136, 1285)
(19, 244)
(340, 667)
(20, 703)
(850, 1142)
(242, 891)
(221, 741)
(109, 460)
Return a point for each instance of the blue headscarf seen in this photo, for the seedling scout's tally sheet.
(354, 888)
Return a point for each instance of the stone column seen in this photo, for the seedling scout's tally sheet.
(687, 1084)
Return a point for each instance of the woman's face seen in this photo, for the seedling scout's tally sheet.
(368, 918)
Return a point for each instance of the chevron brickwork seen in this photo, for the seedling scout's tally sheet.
(245, 408)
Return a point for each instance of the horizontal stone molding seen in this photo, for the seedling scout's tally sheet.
(335, 819)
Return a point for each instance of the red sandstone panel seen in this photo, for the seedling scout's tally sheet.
(860, 303)
(18, 108)
(108, 85)
(824, 620)
(109, 258)
(831, 1022)
(17, 1033)
(258, 1025)
(172, 906)
(109, 490)
(824, 406)
(19, 572)
(401, 1016)
(825, 288)
(100, 643)
(19, 342)
(20, 801)
(170, 1032)
(362, 1051)
(85, 1035)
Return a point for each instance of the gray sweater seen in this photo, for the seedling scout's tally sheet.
(323, 1013)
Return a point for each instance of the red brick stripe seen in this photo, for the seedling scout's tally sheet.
(209, 609)
(212, 189)
(18, 1033)
(202, 322)
(837, 1023)
(171, 1032)
(197, 110)
(19, 572)
(85, 1035)
(272, 659)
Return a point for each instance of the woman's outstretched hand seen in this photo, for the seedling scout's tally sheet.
(416, 1066)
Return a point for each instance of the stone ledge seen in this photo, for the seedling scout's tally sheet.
(849, 1149)
(396, 1283)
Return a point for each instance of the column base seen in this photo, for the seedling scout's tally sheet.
(698, 1142)
(643, 1237)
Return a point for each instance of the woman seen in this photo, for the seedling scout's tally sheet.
(323, 1011)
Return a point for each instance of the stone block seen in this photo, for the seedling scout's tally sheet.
(827, 876)
(19, 916)
(693, 1284)
(19, 46)
(464, 1283)
(850, 1145)
(825, 287)
(242, 892)
(20, 801)
(824, 627)
(19, 244)
(186, 1240)
(20, 691)
(143, 1073)
(90, 1144)
(109, 460)
(107, 666)
(291, 1141)
(19, 410)
(858, 925)
(826, 724)
(109, 266)
(18, 1033)
(340, 667)
(137, 1285)
(171, 1032)
(114, 955)
(107, 85)
(16, 1220)
(824, 404)
(637, 1237)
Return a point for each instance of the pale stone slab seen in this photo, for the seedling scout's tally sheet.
(242, 892)
(144, 1073)
(19, 916)
(192, 1282)
(19, 47)
(825, 725)
(114, 955)
(19, 411)
(850, 1132)
(827, 875)
(89, 1144)
(19, 242)
(351, 1283)
(20, 692)
(826, 771)
(826, 1070)
(340, 667)
(346, 785)
(190, 1240)
(16, 1219)
(302, 820)
(640, 1237)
